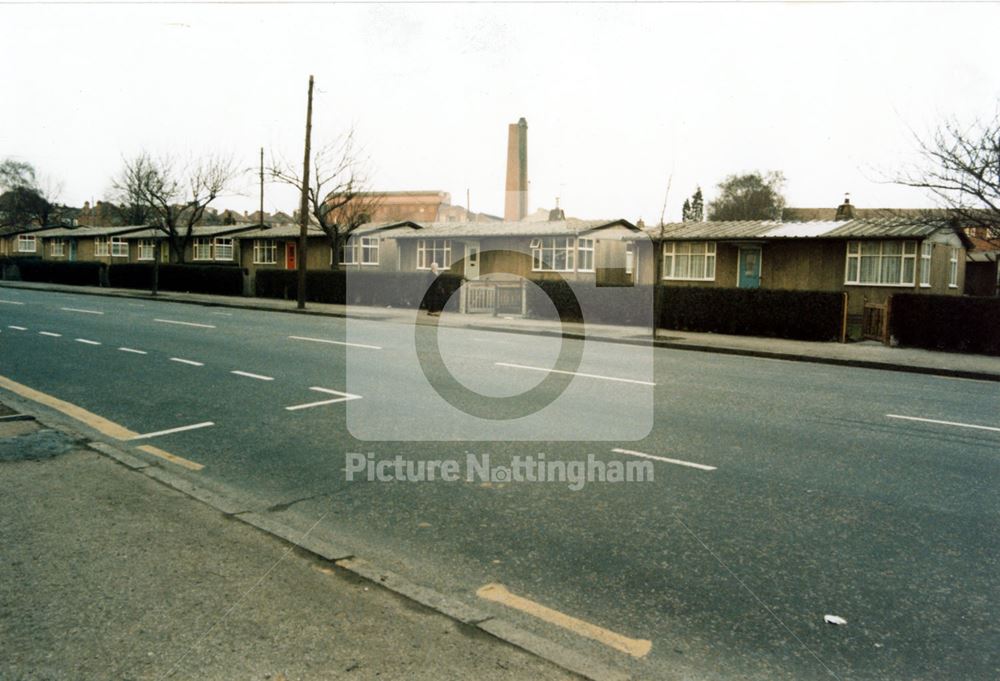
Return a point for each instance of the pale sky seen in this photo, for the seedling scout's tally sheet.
(618, 97)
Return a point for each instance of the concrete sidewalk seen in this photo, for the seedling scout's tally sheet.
(107, 574)
(868, 354)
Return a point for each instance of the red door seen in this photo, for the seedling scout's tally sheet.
(290, 263)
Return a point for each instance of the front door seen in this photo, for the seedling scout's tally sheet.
(749, 267)
(290, 252)
(472, 260)
(72, 250)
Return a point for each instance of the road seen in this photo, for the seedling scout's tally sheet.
(819, 493)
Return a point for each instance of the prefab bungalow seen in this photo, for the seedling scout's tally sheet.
(209, 245)
(21, 242)
(86, 244)
(869, 259)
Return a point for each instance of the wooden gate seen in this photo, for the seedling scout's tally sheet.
(875, 322)
(486, 297)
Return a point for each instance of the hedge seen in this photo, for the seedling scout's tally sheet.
(798, 315)
(58, 272)
(954, 323)
(380, 289)
(630, 306)
(225, 280)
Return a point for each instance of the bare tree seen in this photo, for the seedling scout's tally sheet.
(26, 196)
(961, 170)
(338, 196)
(175, 197)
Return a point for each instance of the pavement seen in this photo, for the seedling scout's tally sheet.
(871, 354)
(783, 491)
(109, 574)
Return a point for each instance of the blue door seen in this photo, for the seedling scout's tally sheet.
(749, 267)
(72, 250)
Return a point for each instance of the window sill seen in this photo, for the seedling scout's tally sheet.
(853, 283)
(685, 279)
(925, 286)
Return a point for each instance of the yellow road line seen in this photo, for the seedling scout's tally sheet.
(499, 594)
(98, 423)
(172, 458)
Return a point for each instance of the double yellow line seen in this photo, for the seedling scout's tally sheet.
(98, 423)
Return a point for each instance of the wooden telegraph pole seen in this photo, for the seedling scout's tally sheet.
(304, 205)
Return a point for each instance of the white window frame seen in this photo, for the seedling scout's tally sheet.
(57, 248)
(102, 246)
(119, 247)
(953, 269)
(222, 248)
(855, 255)
(545, 251)
(146, 250)
(265, 252)
(629, 257)
(347, 252)
(585, 251)
(926, 251)
(199, 246)
(27, 243)
(674, 250)
(370, 246)
(438, 247)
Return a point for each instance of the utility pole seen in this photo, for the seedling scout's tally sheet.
(262, 186)
(304, 204)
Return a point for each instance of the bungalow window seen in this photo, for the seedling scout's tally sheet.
(629, 257)
(223, 248)
(26, 243)
(555, 254)
(348, 253)
(147, 249)
(882, 263)
(265, 252)
(953, 269)
(119, 247)
(57, 248)
(585, 255)
(101, 246)
(433, 250)
(689, 260)
(926, 249)
(202, 249)
(369, 250)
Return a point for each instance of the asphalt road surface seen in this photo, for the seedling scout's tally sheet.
(783, 492)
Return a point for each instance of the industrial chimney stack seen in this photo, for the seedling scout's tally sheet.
(515, 206)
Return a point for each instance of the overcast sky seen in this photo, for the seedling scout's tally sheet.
(618, 97)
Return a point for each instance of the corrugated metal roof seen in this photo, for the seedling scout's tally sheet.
(451, 230)
(285, 230)
(196, 231)
(875, 228)
(78, 232)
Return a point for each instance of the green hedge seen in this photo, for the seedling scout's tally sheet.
(953, 323)
(799, 315)
(380, 289)
(59, 272)
(225, 280)
(631, 306)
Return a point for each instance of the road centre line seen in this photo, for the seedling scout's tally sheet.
(574, 373)
(86, 342)
(343, 397)
(174, 321)
(699, 466)
(944, 423)
(498, 593)
(171, 431)
(172, 458)
(11, 302)
(50, 334)
(81, 311)
(249, 375)
(17, 328)
(134, 351)
(98, 423)
(187, 361)
(335, 342)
